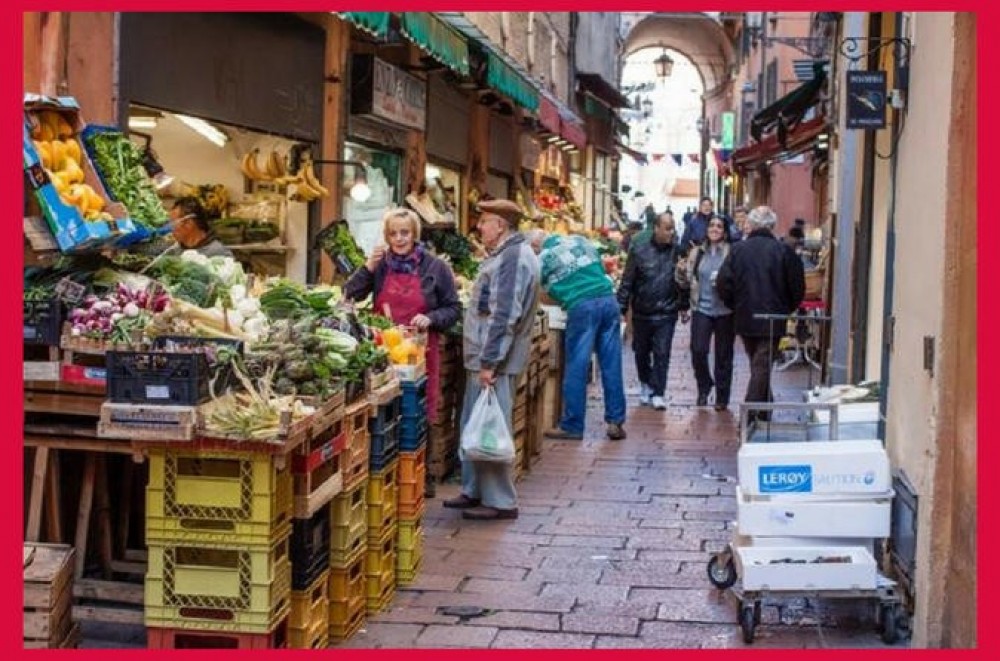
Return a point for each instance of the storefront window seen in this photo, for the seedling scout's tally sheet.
(444, 188)
(363, 212)
(497, 186)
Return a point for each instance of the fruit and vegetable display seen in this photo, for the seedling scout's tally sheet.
(120, 162)
(456, 248)
(337, 241)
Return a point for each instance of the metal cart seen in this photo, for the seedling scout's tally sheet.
(725, 568)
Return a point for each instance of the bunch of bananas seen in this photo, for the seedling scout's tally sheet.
(307, 185)
(61, 157)
(273, 170)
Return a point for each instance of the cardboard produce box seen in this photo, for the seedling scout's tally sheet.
(50, 121)
(828, 467)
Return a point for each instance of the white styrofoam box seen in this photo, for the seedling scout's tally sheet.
(557, 317)
(812, 517)
(742, 539)
(759, 571)
(849, 411)
(814, 467)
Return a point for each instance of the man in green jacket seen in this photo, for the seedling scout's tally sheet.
(573, 276)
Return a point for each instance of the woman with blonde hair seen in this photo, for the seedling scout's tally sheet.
(413, 286)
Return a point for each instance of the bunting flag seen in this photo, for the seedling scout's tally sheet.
(694, 158)
(678, 158)
(657, 157)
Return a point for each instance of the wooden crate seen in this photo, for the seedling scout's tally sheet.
(148, 422)
(48, 596)
(316, 469)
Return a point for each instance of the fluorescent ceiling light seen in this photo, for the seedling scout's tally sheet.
(204, 129)
(142, 122)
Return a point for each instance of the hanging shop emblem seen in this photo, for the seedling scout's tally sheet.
(383, 91)
(866, 99)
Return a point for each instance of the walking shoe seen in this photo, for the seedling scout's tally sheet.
(658, 403)
(719, 406)
(489, 513)
(645, 393)
(557, 434)
(615, 431)
(461, 502)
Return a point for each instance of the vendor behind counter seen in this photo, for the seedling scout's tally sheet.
(191, 229)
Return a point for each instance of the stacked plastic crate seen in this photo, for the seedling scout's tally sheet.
(520, 429)
(412, 476)
(349, 529)
(218, 525)
(317, 473)
(380, 565)
(443, 435)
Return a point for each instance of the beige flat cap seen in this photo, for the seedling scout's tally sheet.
(503, 208)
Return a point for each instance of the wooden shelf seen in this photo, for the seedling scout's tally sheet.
(259, 247)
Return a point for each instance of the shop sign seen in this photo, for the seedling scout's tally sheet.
(388, 93)
(728, 126)
(866, 99)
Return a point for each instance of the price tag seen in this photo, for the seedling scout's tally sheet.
(69, 291)
(157, 392)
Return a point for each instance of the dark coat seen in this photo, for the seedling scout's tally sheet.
(648, 284)
(436, 283)
(762, 275)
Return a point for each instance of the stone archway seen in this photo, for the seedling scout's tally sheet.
(697, 36)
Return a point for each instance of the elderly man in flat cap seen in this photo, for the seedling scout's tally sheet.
(497, 342)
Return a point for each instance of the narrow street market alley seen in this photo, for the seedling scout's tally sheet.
(611, 546)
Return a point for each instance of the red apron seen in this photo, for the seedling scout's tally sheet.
(402, 292)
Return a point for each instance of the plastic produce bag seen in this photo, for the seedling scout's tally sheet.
(485, 436)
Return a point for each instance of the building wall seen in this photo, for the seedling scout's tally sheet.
(597, 44)
(915, 439)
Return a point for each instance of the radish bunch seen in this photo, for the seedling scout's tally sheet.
(115, 316)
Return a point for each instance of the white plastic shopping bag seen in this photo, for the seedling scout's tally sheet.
(485, 436)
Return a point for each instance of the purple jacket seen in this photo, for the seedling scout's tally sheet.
(436, 283)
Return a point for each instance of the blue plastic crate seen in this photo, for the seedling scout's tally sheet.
(384, 448)
(386, 415)
(414, 399)
(412, 432)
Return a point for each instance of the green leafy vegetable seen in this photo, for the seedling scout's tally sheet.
(120, 161)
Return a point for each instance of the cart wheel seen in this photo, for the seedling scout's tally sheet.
(721, 575)
(756, 613)
(747, 623)
(890, 623)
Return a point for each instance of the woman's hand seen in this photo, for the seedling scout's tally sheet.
(422, 322)
(377, 254)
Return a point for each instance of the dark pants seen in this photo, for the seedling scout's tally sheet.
(761, 352)
(703, 327)
(651, 341)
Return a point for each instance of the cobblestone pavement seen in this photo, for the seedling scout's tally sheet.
(611, 545)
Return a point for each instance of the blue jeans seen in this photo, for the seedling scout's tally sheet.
(593, 325)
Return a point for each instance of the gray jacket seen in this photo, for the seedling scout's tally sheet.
(501, 310)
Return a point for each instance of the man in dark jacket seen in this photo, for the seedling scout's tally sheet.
(696, 225)
(648, 286)
(762, 275)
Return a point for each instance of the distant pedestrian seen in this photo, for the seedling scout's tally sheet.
(762, 275)
(648, 287)
(696, 225)
(742, 223)
(709, 315)
(574, 277)
(496, 344)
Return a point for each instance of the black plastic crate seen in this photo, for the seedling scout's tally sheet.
(384, 448)
(43, 322)
(386, 416)
(310, 548)
(158, 377)
(414, 399)
(353, 391)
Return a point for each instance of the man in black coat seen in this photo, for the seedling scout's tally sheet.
(762, 275)
(649, 289)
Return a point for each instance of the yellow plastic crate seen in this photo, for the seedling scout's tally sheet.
(215, 497)
(380, 591)
(382, 494)
(225, 588)
(347, 583)
(342, 629)
(311, 606)
(409, 550)
(314, 638)
(380, 557)
(349, 525)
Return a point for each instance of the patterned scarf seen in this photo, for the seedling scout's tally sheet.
(407, 264)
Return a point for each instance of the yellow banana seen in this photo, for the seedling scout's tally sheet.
(259, 175)
(275, 165)
(310, 176)
(73, 149)
(245, 166)
(303, 193)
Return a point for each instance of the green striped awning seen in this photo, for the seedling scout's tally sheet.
(437, 39)
(505, 79)
(372, 22)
